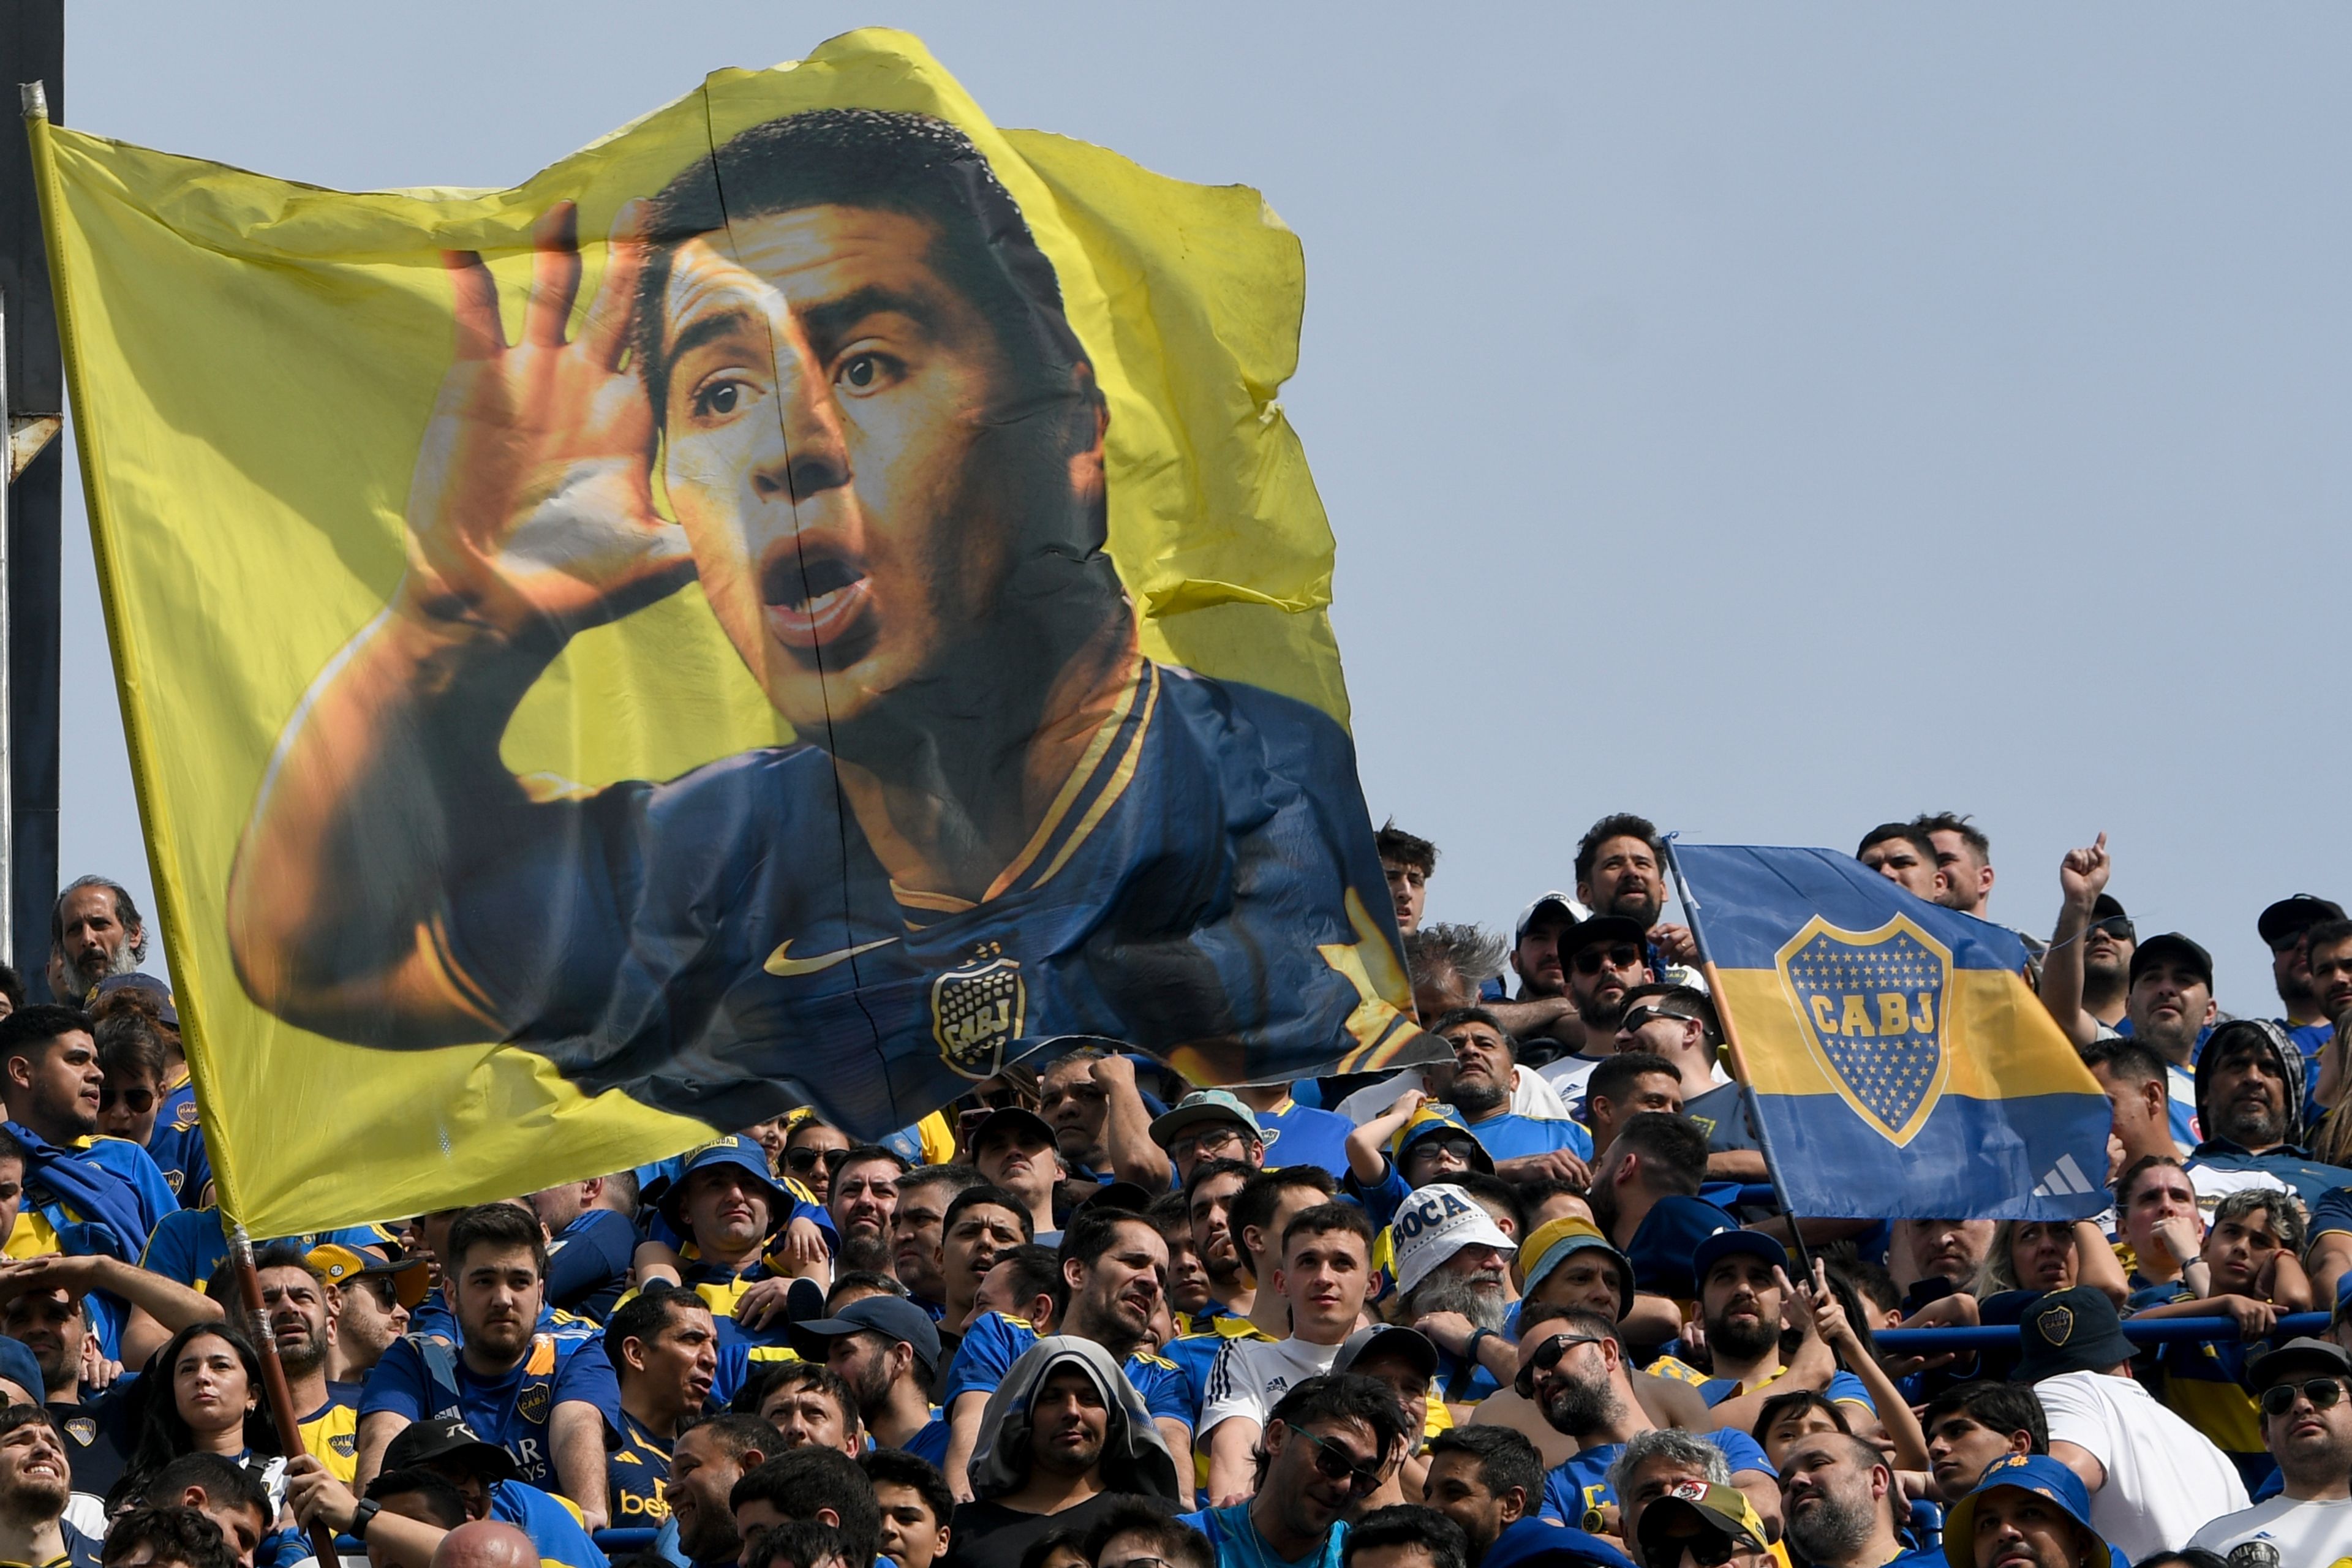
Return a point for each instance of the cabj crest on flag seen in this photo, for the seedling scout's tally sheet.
(1873, 1005)
(1895, 1043)
(802, 602)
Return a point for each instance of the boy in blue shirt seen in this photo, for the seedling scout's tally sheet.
(551, 1403)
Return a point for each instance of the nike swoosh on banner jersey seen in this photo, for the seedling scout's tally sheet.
(779, 965)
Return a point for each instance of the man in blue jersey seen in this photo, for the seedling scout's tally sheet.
(1327, 1448)
(1572, 1364)
(1845, 1506)
(885, 1349)
(550, 1402)
(485, 1476)
(1745, 1296)
(590, 1242)
(884, 447)
(1478, 1085)
(663, 1350)
(1114, 1269)
(85, 1194)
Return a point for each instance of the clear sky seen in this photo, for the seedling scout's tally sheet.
(1771, 419)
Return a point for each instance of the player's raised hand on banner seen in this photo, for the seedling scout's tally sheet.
(530, 510)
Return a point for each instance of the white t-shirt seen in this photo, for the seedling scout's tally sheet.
(2314, 1533)
(2166, 1480)
(1249, 1377)
(1530, 1096)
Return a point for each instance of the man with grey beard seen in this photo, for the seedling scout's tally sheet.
(1452, 1272)
(95, 930)
(1839, 1495)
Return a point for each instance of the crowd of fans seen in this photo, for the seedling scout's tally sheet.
(1534, 1304)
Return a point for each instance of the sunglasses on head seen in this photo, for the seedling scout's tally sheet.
(138, 1101)
(1645, 1014)
(1547, 1357)
(1617, 956)
(1337, 1464)
(2322, 1392)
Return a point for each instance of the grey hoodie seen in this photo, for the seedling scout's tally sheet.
(1134, 1459)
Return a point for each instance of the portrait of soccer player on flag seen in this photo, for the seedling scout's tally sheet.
(827, 374)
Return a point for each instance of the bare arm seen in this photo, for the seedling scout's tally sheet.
(1368, 1158)
(529, 518)
(2081, 878)
(2097, 1263)
(576, 1440)
(160, 1308)
(377, 1429)
(1232, 1445)
(313, 1494)
(1545, 1017)
(1127, 1127)
(963, 1437)
(2081, 1461)
(2330, 1255)
(1178, 1439)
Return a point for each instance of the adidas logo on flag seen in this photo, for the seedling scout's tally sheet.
(2063, 1179)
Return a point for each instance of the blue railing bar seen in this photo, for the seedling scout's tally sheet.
(2148, 1331)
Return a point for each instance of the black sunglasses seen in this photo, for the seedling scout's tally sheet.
(1547, 1357)
(138, 1101)
(2118, 927)
(1636, 1016)
(1337, 1463)
(1710, 1551)
(802, 1161)
(1619, 955)
(2322, 1392)
(1460, 1147)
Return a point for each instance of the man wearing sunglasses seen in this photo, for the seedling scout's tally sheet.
(2286, 928)
(1326, 1443)
(1605, 957)
(1209, 1124)
(1573, 1367)
(2306, 1419)
(1679, 1023)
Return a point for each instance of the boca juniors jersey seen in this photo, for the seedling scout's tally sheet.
(1202, 887)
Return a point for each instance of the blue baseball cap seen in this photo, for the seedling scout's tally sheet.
(736, 1150)
(892, 1317)
(2037, 1473)
(21, 1367)
(1730, 1241)
(1433, 1118)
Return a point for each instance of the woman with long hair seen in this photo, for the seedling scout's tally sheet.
(202, 1394)
(2038, 1256)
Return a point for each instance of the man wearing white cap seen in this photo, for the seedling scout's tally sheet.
(1452, 1258)
(1326, 1269)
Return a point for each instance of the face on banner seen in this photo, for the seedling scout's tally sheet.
(816, 393)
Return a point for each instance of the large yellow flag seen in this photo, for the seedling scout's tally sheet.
(808, 600)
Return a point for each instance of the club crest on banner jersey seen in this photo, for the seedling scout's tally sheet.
(1872, 1005)
(976, 1009)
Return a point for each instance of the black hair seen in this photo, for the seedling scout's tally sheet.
(799, 1481)
(172, 1535)
(1038, 1552)
(644, 1315)
(1575, 1319)
(2003, 1407)
(1036, 1271)
(2125, 1057)
(871, 1281)
(1618, 825)
(796, 1542)
(444, 1505)
(1168, 1211)
(27, 1031)
(1531, 1195)
(504, 1226)
(1911, 833)
(161, 1434)
(1616, 1074)
(1410, 1524)
(957, 1179)
(897, 1467)
(1455, 1017)
(1946, 821)
(1673, 1150)
(1344, 1396)
(865, 1155)
(12, 987)
(1253, 1208)
(225, 1483)
(984, 1194)
(1779, 1405)
(1180, 1544)
(884, 161)
(1870, 1280)
(1393, 843)
(1329, 1219)
(1208, 1170)
(738, 1433)
(1505, 1458)
(1093, 1231)
(1686, 999)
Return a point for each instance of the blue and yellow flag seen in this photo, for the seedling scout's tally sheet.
(803, 601)
(1902, 1066)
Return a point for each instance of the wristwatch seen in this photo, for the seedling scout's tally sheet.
(364, 1516)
